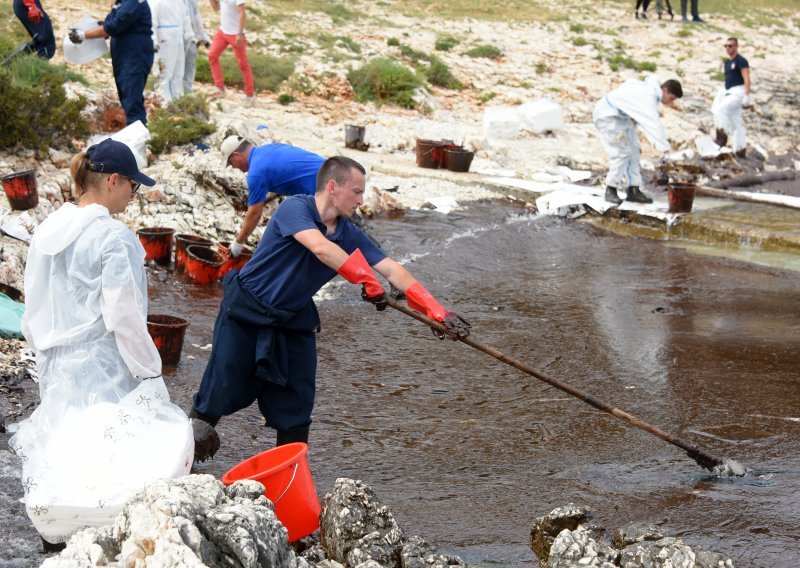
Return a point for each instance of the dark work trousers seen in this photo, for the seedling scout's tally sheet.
(45, 43)
(132, 60)
(260, 354)
(694, 9)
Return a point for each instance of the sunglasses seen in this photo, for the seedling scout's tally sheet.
(135, 185)
(730, 45)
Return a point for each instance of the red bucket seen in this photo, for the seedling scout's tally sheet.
(429, 153)
(167, 333)
(233, 263)
(680, 197)
(203, 263)
(182, 241)
(286, 477)
(458, 159)
(157, 243)
(20, 188)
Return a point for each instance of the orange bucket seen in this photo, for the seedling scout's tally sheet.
(157, 243)
(285, 474)
(167, 333)
(182, 241)
(230, 262)
(202, 263)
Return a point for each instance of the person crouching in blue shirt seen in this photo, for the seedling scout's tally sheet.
(276, 168)
(264, 340)
(130, 26)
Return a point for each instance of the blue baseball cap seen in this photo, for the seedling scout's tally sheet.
(112, 157)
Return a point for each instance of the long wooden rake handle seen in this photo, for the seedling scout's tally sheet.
(700, 456)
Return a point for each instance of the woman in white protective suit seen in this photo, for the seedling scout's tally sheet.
(172, 32)
(105, 424)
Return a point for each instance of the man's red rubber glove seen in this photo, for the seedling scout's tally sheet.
(422, 301)
(357, 270)
(34, 13)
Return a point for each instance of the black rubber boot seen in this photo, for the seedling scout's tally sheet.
(636, 196)
(741, 153)
(611, 195)
(293, 435)
(49, 547)
(721, 138)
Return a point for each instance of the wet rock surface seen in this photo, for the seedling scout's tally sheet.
(632, 546)
(196, 521)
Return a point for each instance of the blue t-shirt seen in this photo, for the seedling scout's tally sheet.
(283, 169)
(733, 71)
(285, 274)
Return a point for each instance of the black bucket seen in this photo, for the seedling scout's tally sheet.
(458, 159)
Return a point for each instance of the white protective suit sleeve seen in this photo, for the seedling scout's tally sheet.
(639, 100)
(197, 21)
(123, 305)
(186, 22)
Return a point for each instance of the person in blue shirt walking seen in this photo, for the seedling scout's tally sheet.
(276, 168)
(38, 25)
(731, 99)
(130, 26)
(264, 340)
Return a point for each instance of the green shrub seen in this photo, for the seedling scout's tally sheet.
(392, 42)
(339, 13)
(285, 99)
(486, 97)
(384, 80)
(269, 71)
(445, 43)
(646, 66)
(183, 121)
(579, 41)
(34, 109)
(577, 28)
(439, 74)
(487, 51)
(413, 54)
(542, 68)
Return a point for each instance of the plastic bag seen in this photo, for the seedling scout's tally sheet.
(10, 317)
(87, 51)
(134, 136)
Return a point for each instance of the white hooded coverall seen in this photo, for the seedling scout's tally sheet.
(172, 31)
(100, 431)
(617, 115)
(200, 35)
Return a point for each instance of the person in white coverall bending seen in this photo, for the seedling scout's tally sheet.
(172, 32)
(200, 38)
(105, 425)
(732, 98)
(617, 116)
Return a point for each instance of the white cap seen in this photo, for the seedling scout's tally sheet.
(229, 146)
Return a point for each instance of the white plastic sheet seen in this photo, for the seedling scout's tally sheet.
(134, 136)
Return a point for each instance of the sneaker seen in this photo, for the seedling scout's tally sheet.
(250, 101)
(635, 195)
(698, 20)
(218, 93)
